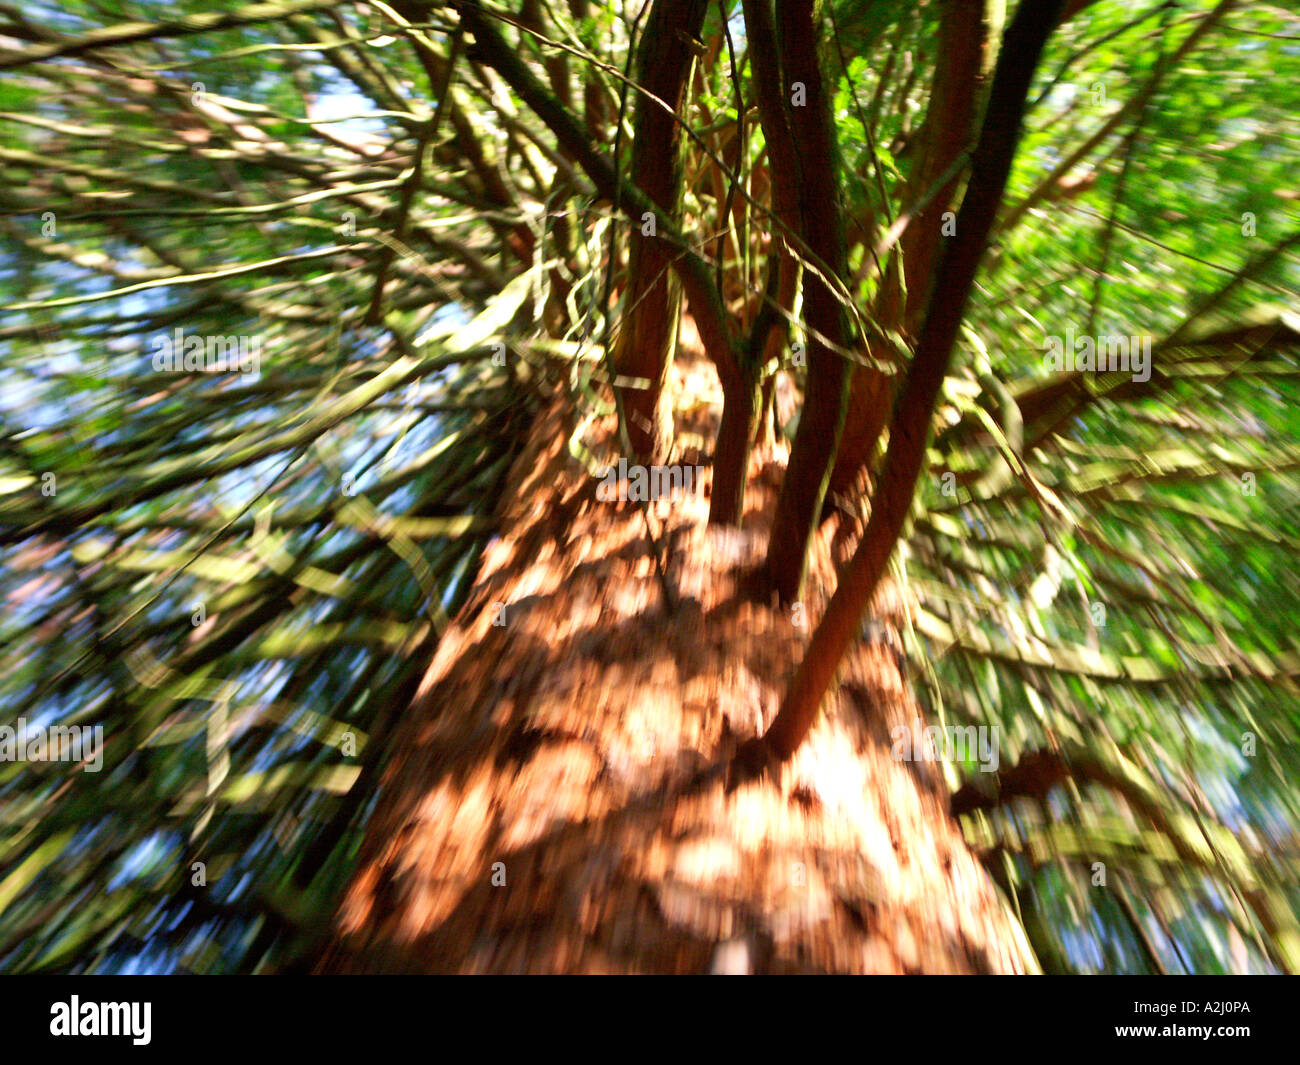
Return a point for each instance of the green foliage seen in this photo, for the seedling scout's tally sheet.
(327, 514)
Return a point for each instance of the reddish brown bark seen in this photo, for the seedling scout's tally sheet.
(741, 407)
(745, 401)
(990, 165)
(736, 431)
(696, 278)
(805, 177)
(647, 333)
(552, 804)
(950, 127)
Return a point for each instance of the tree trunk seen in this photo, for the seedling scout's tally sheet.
(909, 430)
(647, 331)
(557, 801)
(966, 36)
(801, 136)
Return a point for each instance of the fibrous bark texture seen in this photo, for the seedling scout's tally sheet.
(552, 805)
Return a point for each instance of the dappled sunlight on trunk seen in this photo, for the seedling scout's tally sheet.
(555, 802)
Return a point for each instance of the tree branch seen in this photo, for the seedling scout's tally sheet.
(990, 167)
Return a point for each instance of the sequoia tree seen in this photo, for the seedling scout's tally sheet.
(779, 485)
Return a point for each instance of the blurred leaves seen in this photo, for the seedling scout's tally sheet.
(241, 576)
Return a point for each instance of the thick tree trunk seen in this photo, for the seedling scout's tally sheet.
(557, 801)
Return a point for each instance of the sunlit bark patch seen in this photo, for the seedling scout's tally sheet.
(555, 804)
